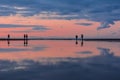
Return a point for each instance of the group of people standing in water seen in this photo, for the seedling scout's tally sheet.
(82, 38)
(25, 39)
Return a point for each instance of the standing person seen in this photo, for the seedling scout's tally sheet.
(82, 36)
(8, 39)
(76, 37)
(8, 36)
(26, 36)
(26, 39)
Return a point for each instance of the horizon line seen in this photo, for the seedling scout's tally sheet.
(86, 39)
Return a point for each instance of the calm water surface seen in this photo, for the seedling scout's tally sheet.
(59, 60)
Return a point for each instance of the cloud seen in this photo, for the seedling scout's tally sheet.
(30, 27)
(84, 52)
(84, 24)
(14, 26)
(104, 11)
(41, 28)
(103, 25)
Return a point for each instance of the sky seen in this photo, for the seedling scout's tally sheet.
(60, 18)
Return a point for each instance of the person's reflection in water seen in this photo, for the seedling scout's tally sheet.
(82, 43)
(8, 41)
(76, 42)
(25, 42)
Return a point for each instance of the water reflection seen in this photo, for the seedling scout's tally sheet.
(25, 42)
(106, 52)
(81, 43)
(8, 41)
(60, 60)
(76, 42)
(53, 49)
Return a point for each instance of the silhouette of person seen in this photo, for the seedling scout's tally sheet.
(26, 40)
(82, 37)
(76, 37)
(8, 39)
(8, 36)
(24, 36)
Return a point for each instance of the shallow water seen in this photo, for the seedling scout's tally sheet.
(59, 60)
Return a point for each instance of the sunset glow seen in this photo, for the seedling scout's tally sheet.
(55, 19)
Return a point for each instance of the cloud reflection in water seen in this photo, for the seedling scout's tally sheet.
(103, 66)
